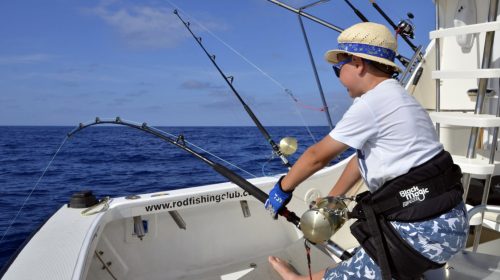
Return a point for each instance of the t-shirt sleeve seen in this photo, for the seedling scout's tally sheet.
(356, 126)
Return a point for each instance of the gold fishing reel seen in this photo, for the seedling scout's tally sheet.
(288, 146)
(323, 219)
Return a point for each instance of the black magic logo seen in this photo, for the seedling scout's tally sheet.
(413, 194)
(210, 198)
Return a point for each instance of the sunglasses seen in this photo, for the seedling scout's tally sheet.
(338, 66)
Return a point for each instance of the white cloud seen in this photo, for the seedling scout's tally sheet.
(144, 26)
(199, 85)
(25, 58)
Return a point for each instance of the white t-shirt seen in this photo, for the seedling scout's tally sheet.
(391, 132)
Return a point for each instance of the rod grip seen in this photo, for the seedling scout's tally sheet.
(290, 216)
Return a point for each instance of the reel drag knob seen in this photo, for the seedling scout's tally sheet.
(288, 146)
(323, 219)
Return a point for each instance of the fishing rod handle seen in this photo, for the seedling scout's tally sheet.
(290, 216)
(253, 190)
(337, 250)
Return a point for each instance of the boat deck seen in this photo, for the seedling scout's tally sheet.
(259, 268)
(467, 265)
(464, 266)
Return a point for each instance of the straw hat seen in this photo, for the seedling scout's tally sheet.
(368, 40)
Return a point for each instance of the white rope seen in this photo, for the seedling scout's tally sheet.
(33, 189)
(92, 210)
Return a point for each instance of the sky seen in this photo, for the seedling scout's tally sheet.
(63, 62)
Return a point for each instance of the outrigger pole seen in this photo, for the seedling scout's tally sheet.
(405, 61)
(311, 58)
(229, 81)
(327, 247)
(308, 16)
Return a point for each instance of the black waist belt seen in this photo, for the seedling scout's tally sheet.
(425, 192)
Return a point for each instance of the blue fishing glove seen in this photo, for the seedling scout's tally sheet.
(278, 198)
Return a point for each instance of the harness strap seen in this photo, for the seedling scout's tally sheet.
(428, 190)
(380, 244)
(431, 189)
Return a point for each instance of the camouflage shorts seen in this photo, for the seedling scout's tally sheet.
(437, 239)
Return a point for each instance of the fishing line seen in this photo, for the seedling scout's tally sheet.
(229, 82)
(219, 158)
(205, 151)
(287, 91)
(197, 147)
(34, 188)
(263, 167)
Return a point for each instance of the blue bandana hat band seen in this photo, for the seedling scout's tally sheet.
(368, 49)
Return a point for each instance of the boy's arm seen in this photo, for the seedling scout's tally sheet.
(313, 159)
(349, 177)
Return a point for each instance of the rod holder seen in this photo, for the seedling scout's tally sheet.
(139, 227)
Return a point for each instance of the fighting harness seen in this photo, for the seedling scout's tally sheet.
(424, 193)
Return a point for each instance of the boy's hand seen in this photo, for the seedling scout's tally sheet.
(278, 199)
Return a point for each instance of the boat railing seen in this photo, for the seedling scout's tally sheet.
(481, 209)
(476, 216)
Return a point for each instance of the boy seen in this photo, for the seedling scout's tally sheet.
(397, 149)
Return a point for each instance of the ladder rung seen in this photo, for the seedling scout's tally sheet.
(474, 165)
(465, 119)
(466, 29)
(467, 74)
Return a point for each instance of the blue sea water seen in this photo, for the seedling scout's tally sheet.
(118, 161)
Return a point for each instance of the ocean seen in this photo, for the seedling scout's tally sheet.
(119, 161)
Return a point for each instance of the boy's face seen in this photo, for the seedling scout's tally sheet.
(350, 74)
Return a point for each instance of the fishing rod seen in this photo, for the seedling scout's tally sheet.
(356, 11)
(404, 28)
(405, 61)
(328, 246)
(180, 143)
(229, 81)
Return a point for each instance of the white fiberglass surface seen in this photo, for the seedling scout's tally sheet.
(215, 237)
